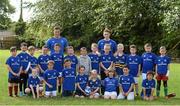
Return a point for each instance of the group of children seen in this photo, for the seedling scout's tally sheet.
(107, 74)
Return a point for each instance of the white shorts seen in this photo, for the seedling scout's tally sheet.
(143, 76)
(110, 94)
(136, 80)
(129, 97)
(51, 93)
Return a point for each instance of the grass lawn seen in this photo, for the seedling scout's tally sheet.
(173, 83)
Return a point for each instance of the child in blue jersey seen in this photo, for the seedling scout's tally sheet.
(42, 61)
(126, 87)
(57, 38)
(14, 67)
(84, 60)
(33, 84)
(107, 40)
(120, 59)
(94, 56)
(69, 79)
(94, 83)
(72, 57)
(162, 71)
(51, 80)
(58, 57)
(148, 87)
(111, 85)
(81, 83)
(33, 61)
(148, 60)
(134, 65)
(24, 58)
(106, 63)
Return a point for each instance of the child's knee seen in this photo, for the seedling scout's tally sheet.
(27, 90)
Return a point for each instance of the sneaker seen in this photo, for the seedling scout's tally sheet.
(21, 94)
(10, 95)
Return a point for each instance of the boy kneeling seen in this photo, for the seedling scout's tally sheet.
(126, 85)
(148, 87)
(33, 85)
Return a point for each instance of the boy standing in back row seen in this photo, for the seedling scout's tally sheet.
(162, 71)
(148, 60)
(14, 67)
(24, 58)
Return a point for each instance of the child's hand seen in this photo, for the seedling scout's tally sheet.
(106, 72)
(50, 86)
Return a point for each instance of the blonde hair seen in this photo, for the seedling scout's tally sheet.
(94, 71)
(94, 45)
(163, 47)
(31, 48)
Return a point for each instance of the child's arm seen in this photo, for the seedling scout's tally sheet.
(130, 89)
(139, 70)
(37, 90)
(152, 91)
(32, 90)
(168, 67)
(102, 66)
(121, 90)
(42, 71)
(156, 70)
(11, 71)
(50, 86)
(20, 71)
(80, 88)
(28, 67)
(144, 93)
(97, 89)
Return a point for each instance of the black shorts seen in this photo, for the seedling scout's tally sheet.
(23, 77)
(66, 93)
(14, 80)
(79, 93)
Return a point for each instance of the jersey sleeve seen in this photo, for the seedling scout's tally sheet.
(8, 61)
(143, 83)
(115, 47)
(66, 43)
(77, 79)
(48, 44)
(154, 83)
(45, 76)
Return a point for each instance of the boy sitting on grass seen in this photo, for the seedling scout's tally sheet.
(148, 87)
(33, 84)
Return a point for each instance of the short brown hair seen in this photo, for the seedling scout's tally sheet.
(57, 28)
(70, 47)
(148, 45)
(13, 48)
(83, 48)
(94, 45)
(163, 47)
(57, 44)
(24, 44)
(31, 48)
(107, 30)
(133, 46)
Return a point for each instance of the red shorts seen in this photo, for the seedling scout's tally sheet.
(162, 77)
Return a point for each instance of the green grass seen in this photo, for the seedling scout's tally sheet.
(174, 86)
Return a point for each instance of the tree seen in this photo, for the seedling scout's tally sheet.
(5, 9)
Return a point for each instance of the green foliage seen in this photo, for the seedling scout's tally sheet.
(132, 21)
(5, 9)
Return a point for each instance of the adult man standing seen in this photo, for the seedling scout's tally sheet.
(57, 38)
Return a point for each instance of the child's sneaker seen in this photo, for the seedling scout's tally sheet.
(10, 95)
(21, 94)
